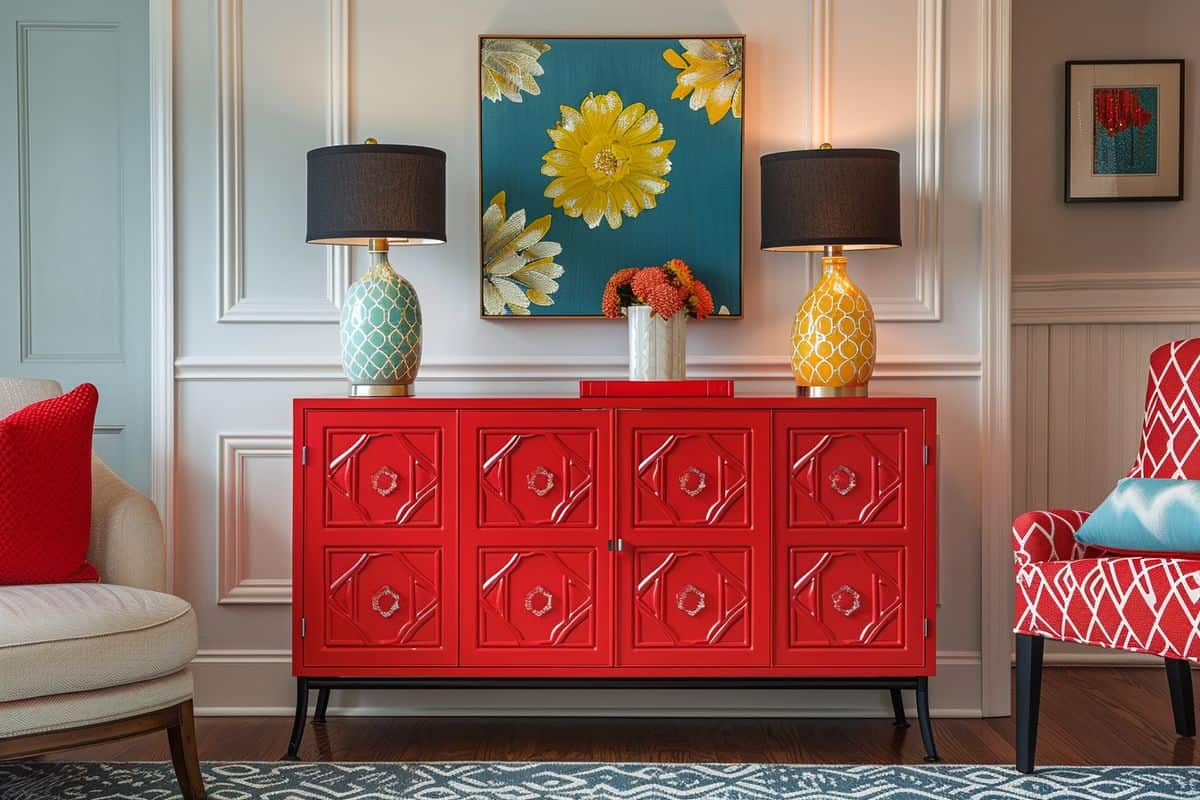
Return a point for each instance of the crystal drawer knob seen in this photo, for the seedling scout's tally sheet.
(540, 481)
(693, 481)
(385, 602)
(684, 600)
(843, 480)
(539, 601)
(846, 601)
(384, 481)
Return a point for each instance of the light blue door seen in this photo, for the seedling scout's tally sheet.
(75, 209)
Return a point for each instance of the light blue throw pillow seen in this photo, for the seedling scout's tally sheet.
(1147, 515)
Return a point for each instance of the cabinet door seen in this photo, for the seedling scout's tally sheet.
(536, 522)
(379, 505)
(852, 557)
(692, 575)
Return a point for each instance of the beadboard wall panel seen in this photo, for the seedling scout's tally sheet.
(369, 68)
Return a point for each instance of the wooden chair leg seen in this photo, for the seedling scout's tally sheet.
(182, 736)
(1179, 680)
(1029, 691)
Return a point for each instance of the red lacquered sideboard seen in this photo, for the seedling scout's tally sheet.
(566, 542)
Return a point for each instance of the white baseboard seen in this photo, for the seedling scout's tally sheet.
(236, 683)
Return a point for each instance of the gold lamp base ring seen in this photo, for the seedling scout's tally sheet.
(831, 391)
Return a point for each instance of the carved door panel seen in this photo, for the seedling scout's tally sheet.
(536, 522)
(856, 469)
(379, 588)
(853, 549)
(692, 575)
(848, 607)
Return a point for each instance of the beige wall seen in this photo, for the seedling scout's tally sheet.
(1097, 286)
(257, 308)
(1049, 236)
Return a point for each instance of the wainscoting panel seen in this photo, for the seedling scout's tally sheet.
(254, 535)
(67, 72)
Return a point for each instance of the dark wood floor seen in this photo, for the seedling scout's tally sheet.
(1089, 716)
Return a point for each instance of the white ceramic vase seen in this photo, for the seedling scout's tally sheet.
(657, 346)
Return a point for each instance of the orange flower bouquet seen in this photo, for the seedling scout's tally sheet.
(667, 290)
(651, 299)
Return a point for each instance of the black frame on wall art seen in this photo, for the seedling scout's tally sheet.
(1124, 130)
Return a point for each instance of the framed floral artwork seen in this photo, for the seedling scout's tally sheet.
(1124, 130)
(602, 153)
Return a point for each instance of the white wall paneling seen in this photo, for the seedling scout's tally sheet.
(236, 303)
(925, 302)
(162, 272)
(254, 535)
(906, 74)
(1110, 297)
(995, 402)
(54, 90)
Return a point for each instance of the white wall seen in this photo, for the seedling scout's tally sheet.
(1096, 286)
(256, 306)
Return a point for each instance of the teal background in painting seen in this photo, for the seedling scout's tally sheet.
(1133, 151)
(699, 216)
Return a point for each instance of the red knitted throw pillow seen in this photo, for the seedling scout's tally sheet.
(46, 490)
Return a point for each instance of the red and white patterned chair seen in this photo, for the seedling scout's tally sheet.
(1140, 603)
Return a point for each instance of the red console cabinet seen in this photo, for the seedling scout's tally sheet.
(565, 541)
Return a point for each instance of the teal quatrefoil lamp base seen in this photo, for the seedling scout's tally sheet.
(378, 195)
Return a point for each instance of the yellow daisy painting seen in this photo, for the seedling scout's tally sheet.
(710, 70)
(587, 136)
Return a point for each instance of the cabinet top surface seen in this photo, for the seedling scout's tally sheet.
(764, 402)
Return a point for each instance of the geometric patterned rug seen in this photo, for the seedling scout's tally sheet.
(41, 780)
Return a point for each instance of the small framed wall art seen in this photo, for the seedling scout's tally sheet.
(1124, 130)
(597, 153)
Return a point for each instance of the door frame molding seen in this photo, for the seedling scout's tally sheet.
(995, 397)
(162, 273)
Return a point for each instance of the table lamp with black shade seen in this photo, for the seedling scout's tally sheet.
(378, 195)
(831, 200)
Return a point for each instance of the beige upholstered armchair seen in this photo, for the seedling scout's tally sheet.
(82, 663)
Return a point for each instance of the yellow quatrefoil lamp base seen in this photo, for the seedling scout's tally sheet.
(833, 338)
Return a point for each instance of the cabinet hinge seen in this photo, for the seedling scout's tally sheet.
(304, 455)
(303, 627)
(925, 627)
(616, 544)
(925, 455)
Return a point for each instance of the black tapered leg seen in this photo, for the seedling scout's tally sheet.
(898, 709)
(931, 753)
(1029, 694)
(322, 705)
(1179, 680)
(293, 751)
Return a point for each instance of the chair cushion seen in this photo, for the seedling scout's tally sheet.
(46, 490)
(1138, 603)
(74, 637)
(1156, 516)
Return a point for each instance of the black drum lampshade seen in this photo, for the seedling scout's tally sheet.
(816, 198)
(359, 192)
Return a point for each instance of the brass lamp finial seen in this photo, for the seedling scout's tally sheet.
(371, 140)
(825, 146)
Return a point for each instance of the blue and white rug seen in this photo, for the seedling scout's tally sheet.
(591, 781)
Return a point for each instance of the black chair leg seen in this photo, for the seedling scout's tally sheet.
(293, 751)
(923, 721)
(898, 709)
(1029, 691)
(1179, 680)
(322, 705)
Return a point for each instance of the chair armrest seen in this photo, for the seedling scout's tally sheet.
(127, 546)
(1047, 536)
